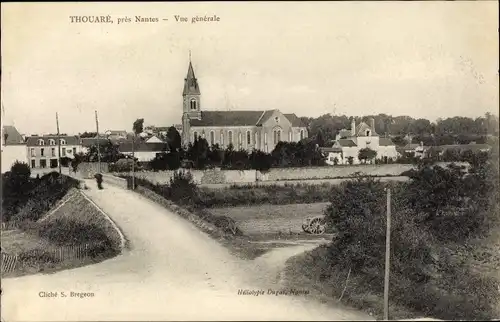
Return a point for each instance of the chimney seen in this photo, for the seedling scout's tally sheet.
(372, 124)
(353, 127)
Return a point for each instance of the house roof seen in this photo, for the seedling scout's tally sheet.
(87, 142)
(361, 129)
(332, 149)
(240, 118)
(12, 136)
(143, 147)
(70, 139)
(112, 132)
(346, 143)
(385, 142)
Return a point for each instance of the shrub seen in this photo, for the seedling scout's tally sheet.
(182, 188)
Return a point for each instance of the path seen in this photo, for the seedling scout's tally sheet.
(172, 271)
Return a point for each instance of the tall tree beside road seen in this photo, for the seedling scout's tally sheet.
(138, 128)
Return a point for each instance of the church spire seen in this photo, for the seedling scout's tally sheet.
(190, 82)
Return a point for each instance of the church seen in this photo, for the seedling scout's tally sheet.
(248, 130)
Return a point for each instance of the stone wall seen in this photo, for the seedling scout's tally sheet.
(279, 174)
(217, 176)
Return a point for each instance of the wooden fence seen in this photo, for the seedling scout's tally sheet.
(12, 261)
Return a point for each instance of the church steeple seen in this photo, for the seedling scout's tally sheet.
(190, 82)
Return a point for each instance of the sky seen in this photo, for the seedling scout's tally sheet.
(422, 59)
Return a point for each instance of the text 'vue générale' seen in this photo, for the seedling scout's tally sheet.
(97, 19)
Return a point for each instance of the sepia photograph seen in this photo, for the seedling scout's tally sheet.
(239, 161)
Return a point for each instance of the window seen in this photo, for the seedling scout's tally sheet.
(63, 142)
(249, 138)
(63, 152)
(265, 138)
(43, 163)
(277, 119)
(195, 136)
(74, 150)
(203, 134)
(41, 142)
(276, 136)
(33, 152)
(52, 142)
(367, 132)
(33, 164)
(193, 104)
(230, 137)
(256, 138)
(239, 139)
(41, 152)
(290, 136)
(222, 138)
(53, 152)
(301, 134)
(212, 137)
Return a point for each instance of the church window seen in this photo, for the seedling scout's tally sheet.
(222, 138)
(193, 104)
(230, 137)
(239, 139)
(301, 134)
(265, 138)
(290, 136)
(212, 137)
(195, 135)
(277, 136)
(256, 138)
(249, 138)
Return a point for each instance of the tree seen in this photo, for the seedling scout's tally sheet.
(366, 154)
(78, 158)
(138, 128)
(174, 139)
(320, 140)
(335, 161)
(198, 153)
(350, 160)
(260, 160)
(88, 134)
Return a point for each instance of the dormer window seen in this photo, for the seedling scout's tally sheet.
(193, 104)
(41, 142)
(52, 142)
(63, 141)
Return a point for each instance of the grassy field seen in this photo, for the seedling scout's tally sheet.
(271, 219)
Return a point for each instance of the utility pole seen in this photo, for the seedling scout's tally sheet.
(58, 144)
(133, 161)
(98, 146)
(387, 256)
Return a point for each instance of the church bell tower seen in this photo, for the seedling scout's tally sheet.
(190, 102)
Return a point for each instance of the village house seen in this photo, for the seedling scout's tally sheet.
(13, 147)
(257, 129)
(143, 151)
(348, 143)
(43, 150)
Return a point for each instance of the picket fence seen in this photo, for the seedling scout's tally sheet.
(12, 261)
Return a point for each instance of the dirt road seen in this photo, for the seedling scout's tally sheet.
(171, 271)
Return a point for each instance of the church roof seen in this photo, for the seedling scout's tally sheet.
(295, 120)
(240, 118)
(227, 118)
(191, 83)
